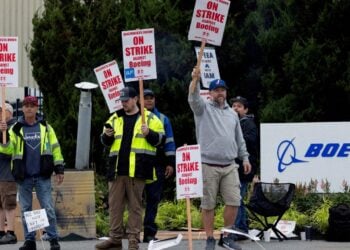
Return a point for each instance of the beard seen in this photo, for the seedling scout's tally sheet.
(220, 99)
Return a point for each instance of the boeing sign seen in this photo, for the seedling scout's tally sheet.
(299, 152)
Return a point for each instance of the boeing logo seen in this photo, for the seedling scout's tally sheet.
(287, 154)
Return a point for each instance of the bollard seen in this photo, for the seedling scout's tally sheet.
(308, 232)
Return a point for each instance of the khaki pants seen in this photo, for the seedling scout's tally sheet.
(125, 191)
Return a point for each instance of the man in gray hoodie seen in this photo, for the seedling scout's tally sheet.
(221, 140)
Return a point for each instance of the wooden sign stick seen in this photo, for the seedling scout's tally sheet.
(3, 108)
(142, 100)
(198, 65)
(189, 222)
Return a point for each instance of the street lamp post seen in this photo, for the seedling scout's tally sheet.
(84, 125)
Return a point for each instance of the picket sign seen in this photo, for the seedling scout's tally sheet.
(189, 180)
(8, 69)
(111, 82)
(139, 59)
(36, 219)
(207, 25)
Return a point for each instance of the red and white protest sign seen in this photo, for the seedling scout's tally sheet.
(139, 55)
(9, 61)
(208, 21)
(189, 181)
(111, 82)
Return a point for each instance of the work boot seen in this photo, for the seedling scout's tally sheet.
(133, 244)
(109, 245)
(54, 245)
(28, 245)
(8, 239)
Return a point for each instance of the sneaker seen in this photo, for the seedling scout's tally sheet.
(210, 243)
(28, 245)
(228, 242)
(148, 238)
(109, 245)
(54, 245)
(133, 244)
(8, 239)
(44, 236)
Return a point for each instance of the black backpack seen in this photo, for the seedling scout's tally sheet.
(339, 223)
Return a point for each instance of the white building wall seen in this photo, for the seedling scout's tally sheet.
(16, 20)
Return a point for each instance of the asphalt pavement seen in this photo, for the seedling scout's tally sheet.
(200, 244)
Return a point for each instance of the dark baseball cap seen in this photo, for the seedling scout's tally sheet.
(217, 83)
(241, 100)
(148, 92)
(127, 93)
(30, 100)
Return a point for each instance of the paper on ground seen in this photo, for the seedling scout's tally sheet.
(286, 227)
(163, 244)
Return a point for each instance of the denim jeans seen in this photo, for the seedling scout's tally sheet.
(153, 192)
(241, 219)
(43, 192)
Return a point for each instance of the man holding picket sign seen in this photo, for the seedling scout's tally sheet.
(217, 128)
(132, 137)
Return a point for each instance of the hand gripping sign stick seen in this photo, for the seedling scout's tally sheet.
(199, 60)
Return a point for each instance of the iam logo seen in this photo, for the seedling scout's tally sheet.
(286, 155)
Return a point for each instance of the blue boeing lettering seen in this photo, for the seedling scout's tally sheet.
(287, 153)
(328, 150)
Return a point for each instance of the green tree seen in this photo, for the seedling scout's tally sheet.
(289, 58)
(71, 38)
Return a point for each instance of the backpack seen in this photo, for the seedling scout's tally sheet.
(339, 223)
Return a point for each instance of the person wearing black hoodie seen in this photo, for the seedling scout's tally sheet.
(250, 135)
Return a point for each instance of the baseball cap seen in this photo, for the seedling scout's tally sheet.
(241, 100)
(217, 83)
(127, 93)
(30, 100)
(8, 107)
(147, 92)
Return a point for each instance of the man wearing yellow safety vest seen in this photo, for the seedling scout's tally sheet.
(131, 162)
(36, 154)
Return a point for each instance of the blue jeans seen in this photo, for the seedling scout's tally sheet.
(43, 192)
(241, 219)
(153, 192)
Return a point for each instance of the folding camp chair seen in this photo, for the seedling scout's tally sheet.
(270, 200)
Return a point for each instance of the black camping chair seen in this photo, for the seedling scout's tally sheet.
(268, 200)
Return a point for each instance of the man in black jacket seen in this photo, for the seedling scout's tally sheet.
(250, 134)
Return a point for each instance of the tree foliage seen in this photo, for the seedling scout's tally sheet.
(290, 58)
